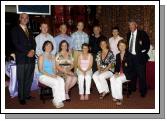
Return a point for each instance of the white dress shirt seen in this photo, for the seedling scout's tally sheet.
(113, 44)
(40, 39)
(134, 43)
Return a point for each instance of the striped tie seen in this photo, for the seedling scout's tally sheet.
(131, 43)
(26, 32)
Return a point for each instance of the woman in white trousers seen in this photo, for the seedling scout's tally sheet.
(105, 59)
(123, 71)
(84, 71)
(48, 77)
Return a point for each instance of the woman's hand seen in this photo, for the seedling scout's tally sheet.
(70, 73)
(102, 70)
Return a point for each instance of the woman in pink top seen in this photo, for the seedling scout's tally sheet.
(84, 71)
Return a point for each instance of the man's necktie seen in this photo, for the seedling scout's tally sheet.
(131, 43)
(26, 32)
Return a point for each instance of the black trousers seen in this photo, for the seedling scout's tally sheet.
(25, 74)
(140, 74)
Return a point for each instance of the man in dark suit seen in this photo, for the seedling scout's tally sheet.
(139, 45)
(25, 45)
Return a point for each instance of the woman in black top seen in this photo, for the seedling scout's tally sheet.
(123, 71)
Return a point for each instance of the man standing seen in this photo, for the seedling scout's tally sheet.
(62, 36)
(94, 42)
(139, 45)
(42, 37)
(113, 41)
(25, 60)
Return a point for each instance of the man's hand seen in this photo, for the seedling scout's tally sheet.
(31, 53)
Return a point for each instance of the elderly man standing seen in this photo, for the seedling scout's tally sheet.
(25, 45)
(139, 44)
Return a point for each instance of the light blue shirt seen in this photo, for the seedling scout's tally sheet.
(61, 37)
(48, 66)
(78, 38)
(40, 39)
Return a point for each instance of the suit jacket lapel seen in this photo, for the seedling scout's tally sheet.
(137, 39)
(23, 32)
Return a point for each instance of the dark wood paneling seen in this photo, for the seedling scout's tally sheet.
(111, 16)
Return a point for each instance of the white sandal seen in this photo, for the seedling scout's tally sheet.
(58, 105)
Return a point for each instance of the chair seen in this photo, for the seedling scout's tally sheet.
(45, 92)
(126, 88)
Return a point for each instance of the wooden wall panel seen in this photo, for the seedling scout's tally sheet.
(119, 15)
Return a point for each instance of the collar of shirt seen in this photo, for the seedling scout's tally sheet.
(80, 32)
(117, 38)
(63, 35)
(134, 33)
(23, 27)
(44, 35)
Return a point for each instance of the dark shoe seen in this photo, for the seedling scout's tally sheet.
(103, 95)
(130, 92)
(22, 102)
(143, 95)
(30, 97)
(68, 100)
(133, 90)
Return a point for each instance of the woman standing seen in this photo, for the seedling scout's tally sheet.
(65, 60)
(123, 71)
(48, 77)
(105, 61)
(84, 71)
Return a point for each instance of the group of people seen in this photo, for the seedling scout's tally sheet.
(66, 60)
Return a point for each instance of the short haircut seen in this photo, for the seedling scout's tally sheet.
(97, 25)
(122, 41)
(132, 20)
(43, 23)
(22, 15)
(46, 43)
(63, 24)
(115, 28)
(80, 22)
(63, 41)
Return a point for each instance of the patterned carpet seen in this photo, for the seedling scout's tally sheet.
(133, 102)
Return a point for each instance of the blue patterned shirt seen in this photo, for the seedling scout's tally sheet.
(78, 38)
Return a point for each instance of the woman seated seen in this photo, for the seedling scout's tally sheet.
(105, 61)
(48, 77)
(84, 71)
(123, 71)
(65, 64)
